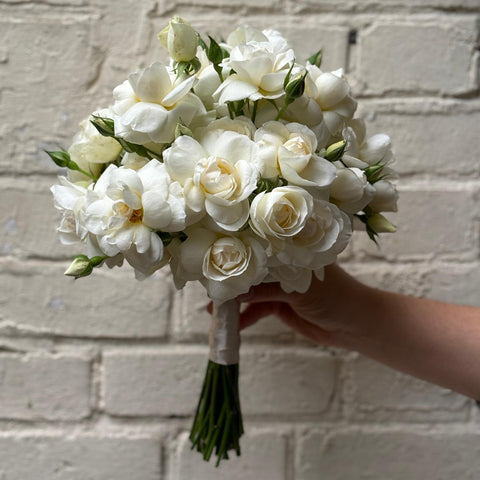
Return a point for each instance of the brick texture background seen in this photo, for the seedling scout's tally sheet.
(99, 378)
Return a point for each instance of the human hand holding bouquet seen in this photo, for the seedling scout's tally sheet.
(233, 165)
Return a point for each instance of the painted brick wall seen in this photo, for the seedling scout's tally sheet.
(99, 378)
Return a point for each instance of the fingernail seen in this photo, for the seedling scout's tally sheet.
(246, 297)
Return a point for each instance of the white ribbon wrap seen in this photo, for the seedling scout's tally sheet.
(224, 339)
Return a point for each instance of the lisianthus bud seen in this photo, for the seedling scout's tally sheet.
(379, 224)
(180, 39)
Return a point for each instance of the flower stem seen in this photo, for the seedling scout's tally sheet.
(217, 425)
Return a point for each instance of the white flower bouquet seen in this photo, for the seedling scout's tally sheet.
(233, 165)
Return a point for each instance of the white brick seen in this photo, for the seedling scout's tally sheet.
(29, 219)
(39, 299)
(433, 143)
(50, 66)
(176, 4)
(378, 393)
(154, 383)
(38, 457)
(281, 382)
(192, 321)
(454, 283)
(49, 387)
(370, 7)
(287, 381)
(392, 455)
(264, 456)
(430, 220)
(418, 57)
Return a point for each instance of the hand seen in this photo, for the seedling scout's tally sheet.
(323, 314)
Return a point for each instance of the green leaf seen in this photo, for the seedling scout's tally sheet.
(215, 52)
(202, 43)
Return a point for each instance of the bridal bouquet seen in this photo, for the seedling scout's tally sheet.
(232, 165)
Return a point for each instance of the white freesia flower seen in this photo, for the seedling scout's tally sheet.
(361, 152)
(226, 265)
(325, 105)
(351, 191)
(280, 214)
(260, 67)
(326, 233)
(125, 208)
(289, 151)
(245, 34)
(385, 197)
(149, 105)
(71, 200)
(217, 173)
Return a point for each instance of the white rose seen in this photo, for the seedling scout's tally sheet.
(217, 173)
(384, 198)
(280, 214)
(242, 125)
(289, 150)
(180, 39)
(149, 105)
(331, 92)
(351, 191)
(305, 110)
(226, 265)
(326, 233)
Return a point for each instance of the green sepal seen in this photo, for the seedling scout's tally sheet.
(316, 58)
(374, 172)
(267, 185)
(167, 237)
(372, 234)
(190, 68)
(181, 129)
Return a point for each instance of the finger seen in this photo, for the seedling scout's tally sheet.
(308, 330)
(256, 311)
